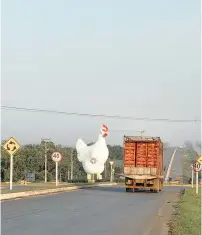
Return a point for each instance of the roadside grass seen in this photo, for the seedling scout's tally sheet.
(187, 217)
(24, 188)
(39, 186)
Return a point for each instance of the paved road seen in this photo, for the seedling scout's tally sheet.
(167, 157)
(176, 169)
(106, 211)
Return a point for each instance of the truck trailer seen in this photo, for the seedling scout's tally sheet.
(143, 163)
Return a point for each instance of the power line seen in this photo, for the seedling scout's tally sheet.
(131, 130)
(97, 115)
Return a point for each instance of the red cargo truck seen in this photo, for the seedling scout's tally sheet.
(143, 163)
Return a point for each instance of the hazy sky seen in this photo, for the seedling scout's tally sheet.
(130, 58)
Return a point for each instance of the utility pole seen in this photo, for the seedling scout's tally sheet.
(192, 178)
(105, 170)
(45, 163)
(142, 131)
(68, 174)
(111, 173)
(43, 139)
(72, 164)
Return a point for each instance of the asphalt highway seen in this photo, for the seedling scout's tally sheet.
(106, 211)
(167, 157)
(176, 169)
(96, 211)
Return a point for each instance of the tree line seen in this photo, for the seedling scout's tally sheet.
(30, 159)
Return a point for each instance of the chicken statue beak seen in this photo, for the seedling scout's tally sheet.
(105, 134)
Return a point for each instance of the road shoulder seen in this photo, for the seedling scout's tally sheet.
(19, 195)
(160, 223)
(187, 215)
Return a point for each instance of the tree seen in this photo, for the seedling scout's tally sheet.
(166, 145)
(198, 144)
(189, 144)
(30, 159)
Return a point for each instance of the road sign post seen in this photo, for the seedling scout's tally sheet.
(192, 175)
(56, 157)
(196, 182)
(11, 146)
(197, 167)
(11, 171)
(56, 170)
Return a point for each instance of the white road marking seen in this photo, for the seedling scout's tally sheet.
(170, 165)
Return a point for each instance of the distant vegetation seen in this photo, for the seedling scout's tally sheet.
(190, 156)
(30, 158)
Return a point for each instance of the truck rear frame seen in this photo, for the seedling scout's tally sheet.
(145, 177)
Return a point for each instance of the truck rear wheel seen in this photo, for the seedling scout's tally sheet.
(157, 185)
(160, 185)
(129, 189)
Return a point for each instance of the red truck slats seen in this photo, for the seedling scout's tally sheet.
(129, 154)
(142, 154)
(152, 154)
(140, 151)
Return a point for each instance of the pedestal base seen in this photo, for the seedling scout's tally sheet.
(93, 177)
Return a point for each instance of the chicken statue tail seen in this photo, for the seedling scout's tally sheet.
(81, 148)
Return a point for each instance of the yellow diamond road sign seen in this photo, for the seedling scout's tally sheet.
(11, 146)
(199, 160)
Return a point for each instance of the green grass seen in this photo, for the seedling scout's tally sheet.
(188, 218)
(32, 187)
(39, 186)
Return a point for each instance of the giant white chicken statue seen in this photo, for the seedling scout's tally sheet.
(93, 157)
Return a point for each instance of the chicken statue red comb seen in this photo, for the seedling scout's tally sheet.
(104, 130)
(105, 127)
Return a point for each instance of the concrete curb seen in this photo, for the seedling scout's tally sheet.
(8, 196)
(178, 185)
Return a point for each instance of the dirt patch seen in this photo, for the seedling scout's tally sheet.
(164, 215)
